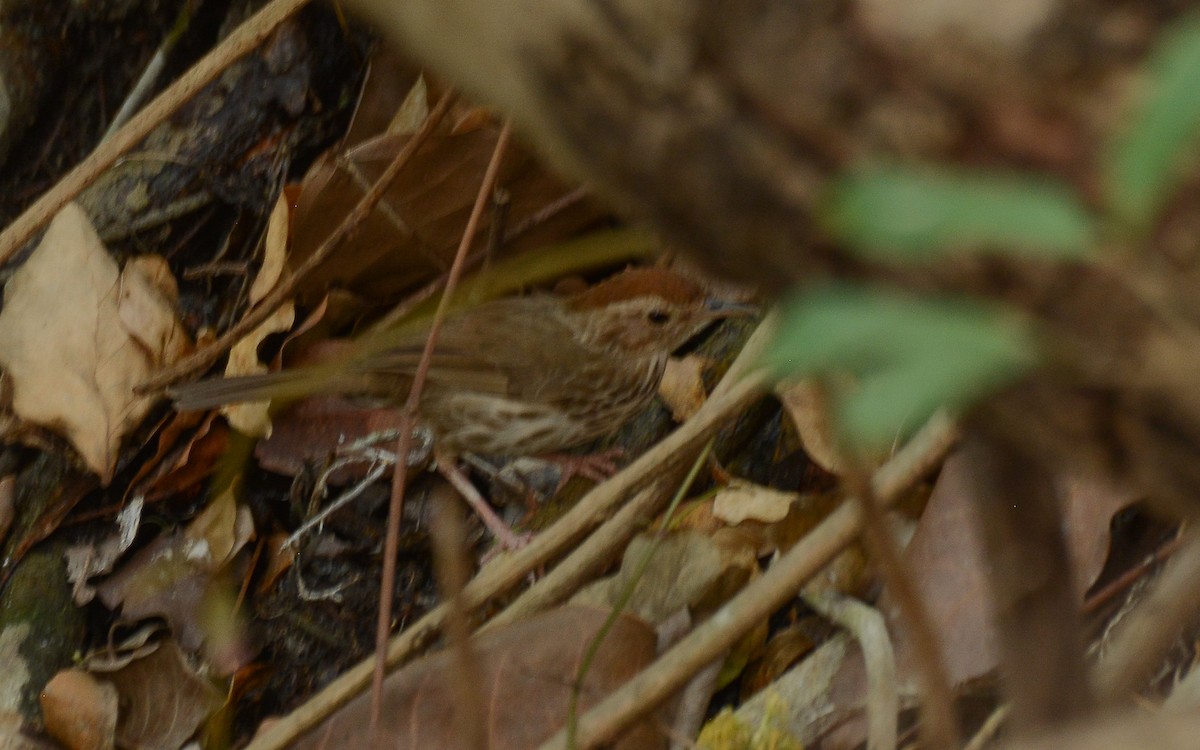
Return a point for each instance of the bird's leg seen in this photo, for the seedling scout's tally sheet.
(447, 466)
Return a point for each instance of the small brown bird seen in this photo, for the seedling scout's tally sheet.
(521, 376)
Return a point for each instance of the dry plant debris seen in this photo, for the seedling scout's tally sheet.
(715, 580)
(77, 333)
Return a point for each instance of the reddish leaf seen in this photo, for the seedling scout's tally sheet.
(524, 672)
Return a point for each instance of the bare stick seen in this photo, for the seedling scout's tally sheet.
(761, 597)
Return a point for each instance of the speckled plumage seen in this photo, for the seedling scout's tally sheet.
(522, 376)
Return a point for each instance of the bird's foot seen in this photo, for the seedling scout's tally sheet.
(594, 466)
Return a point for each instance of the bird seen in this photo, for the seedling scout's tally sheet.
(518, 376)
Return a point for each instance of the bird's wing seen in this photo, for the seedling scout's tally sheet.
(533, 357)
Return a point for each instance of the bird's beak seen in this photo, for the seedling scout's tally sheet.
(719, 308)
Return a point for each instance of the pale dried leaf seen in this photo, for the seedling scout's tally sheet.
(682, 385)
(744, 501)
(274, 250)
(219, 531)
(74, 366)
(80, 711)
(251, 418)
(148, 299)
(808, 406)
(412, 111)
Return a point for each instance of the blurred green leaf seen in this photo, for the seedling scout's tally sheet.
(1143, 164)
(919, 214)
(910, 355)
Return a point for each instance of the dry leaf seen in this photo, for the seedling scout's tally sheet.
(412, 234)
(89, 559)
(74, 366)
(744, 501)
(80, 710)
(412, 111)
(682, 385)
(316, 428)
(808, 406)
(527, 670)
(251, 418)
(148, 290)
(163, 700)
(172, 576)
(686, 569)
(219, 531)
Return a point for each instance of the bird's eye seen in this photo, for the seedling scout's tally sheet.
(658, 317)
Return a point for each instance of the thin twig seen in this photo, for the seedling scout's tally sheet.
(758, 599)
(939, 726)
(285, 289)
(395, 507)
(244, 38)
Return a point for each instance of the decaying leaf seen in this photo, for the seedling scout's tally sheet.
(74, 366)
(527, 669)
(97, 558)
(172, 576)
(685, 569)
(162, 699)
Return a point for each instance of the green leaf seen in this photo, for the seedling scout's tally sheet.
(910, 355)
(1144, 163)
(920, 214)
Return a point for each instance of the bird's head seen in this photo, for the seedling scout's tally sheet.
(644, 311)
